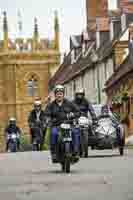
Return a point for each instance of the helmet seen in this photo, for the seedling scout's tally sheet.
(80, 91)
(12, 119)
(59, 88)
(37, 103)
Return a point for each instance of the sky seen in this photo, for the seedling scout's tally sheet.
(72, 17)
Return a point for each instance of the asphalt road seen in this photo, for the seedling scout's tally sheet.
(31, 176)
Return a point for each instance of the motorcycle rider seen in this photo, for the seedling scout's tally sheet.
(57, 111)
(37, 117)
(83, 104)
(12, 128)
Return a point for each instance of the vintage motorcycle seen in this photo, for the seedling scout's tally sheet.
(64, 149)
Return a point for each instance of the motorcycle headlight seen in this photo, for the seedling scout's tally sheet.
(65, 126)
(14, 136)
(83, 121)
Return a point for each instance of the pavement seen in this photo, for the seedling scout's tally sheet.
(31, 176)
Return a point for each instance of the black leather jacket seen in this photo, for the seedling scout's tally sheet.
(32, 119)
(58, 114)
(84, 105)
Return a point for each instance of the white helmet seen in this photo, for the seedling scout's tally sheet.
(80, 91)
(12, 119)
(59, 88)
(37, 103)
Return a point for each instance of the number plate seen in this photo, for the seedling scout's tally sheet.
(67, 139)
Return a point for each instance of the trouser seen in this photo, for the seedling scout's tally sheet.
(33, 132)
(75, 138)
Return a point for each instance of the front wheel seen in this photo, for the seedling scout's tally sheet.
(67, 161)
(12, 147)
(67, 165)
(121, 151)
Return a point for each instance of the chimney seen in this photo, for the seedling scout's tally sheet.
(102, 30)
(115, 27)
(95, 8)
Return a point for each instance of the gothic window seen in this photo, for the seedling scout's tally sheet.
(32, 87)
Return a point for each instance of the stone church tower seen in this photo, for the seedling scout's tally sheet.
(25, 68)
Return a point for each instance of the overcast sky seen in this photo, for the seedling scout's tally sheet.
(72, 17)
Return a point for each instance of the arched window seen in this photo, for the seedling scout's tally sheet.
(32, 87)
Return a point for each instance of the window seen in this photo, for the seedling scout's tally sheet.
(32, 87)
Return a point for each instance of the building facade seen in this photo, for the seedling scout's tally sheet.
(26, 66)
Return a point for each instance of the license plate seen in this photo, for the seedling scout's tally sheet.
(67, 139)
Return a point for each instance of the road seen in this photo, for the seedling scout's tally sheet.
(31, 176)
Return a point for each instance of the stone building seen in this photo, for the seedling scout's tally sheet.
(26, 66)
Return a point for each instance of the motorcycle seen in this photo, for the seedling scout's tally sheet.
(64, 151)
(13, 142)
(84, 124)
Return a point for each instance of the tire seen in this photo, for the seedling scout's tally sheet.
(63, 166)
(67, 165)
(84, 143)
(121, 150)
(92, 147)
(67, 162)
(86, 152)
